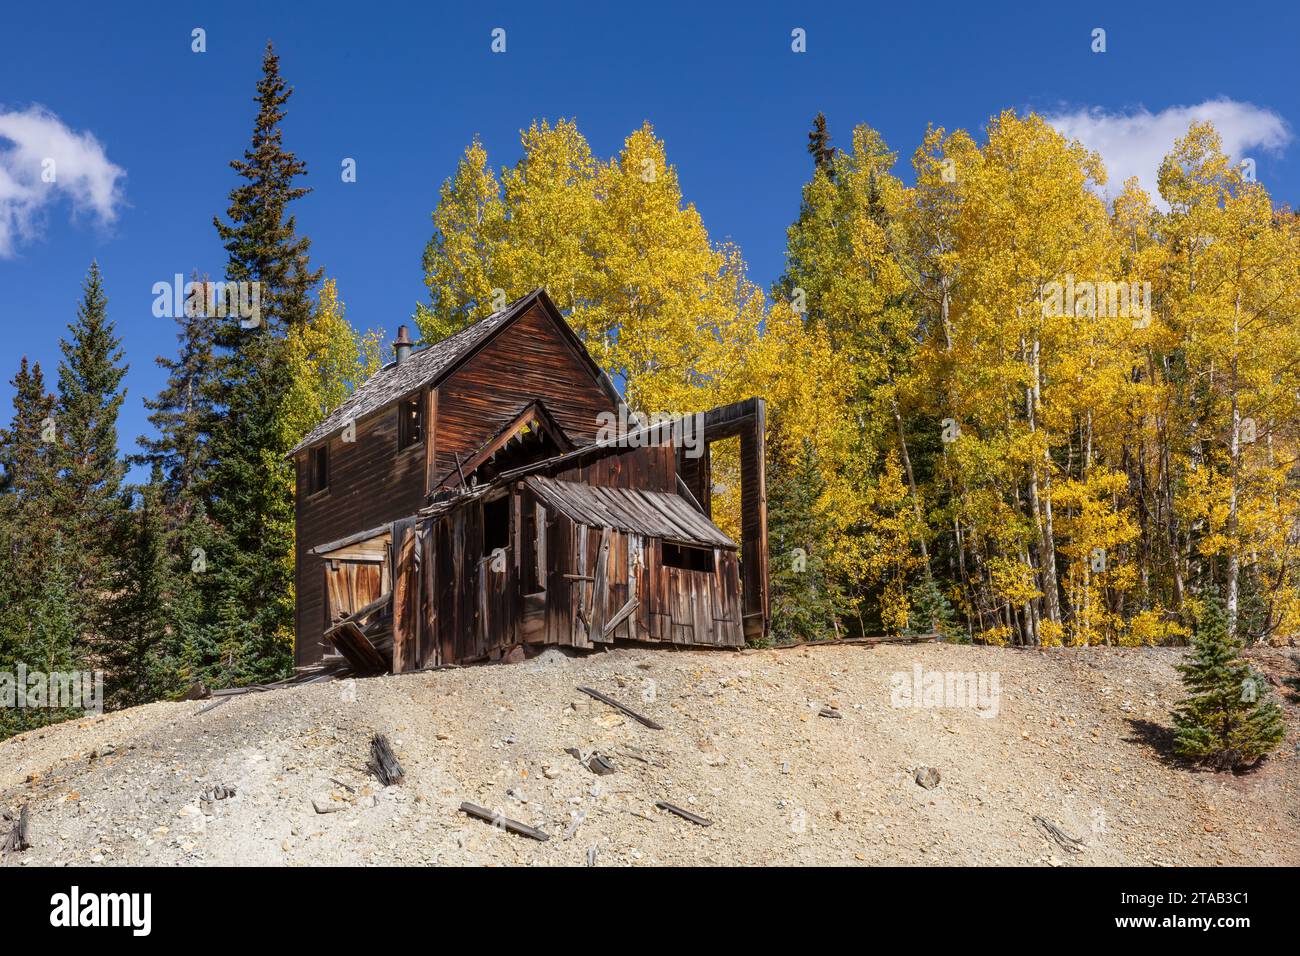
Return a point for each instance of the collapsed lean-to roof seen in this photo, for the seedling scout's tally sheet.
(656, 514)
(429, 365)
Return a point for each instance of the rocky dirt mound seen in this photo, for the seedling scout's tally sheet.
(795, 756)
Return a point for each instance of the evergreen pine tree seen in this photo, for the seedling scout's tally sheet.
(141, 661)
(1227, 722)
(182, 412)
(28, 457)
(47, 638)
(89, 398)
(930, 612)
(32, 564)
(819, 145)
(805, 601)
(192, 636)
(87, 495)
(249, 488)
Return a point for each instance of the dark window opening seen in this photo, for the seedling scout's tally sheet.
(410, 422)
(318, 478)
(496, 524)
(688, 558)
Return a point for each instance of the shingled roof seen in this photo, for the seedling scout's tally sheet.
(426, 366)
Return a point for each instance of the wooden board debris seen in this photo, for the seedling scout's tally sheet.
(356, 648)
(503, 822)
(684, 814)
(18, 838)
(1067, 843)
(383, 763)
(640, 718)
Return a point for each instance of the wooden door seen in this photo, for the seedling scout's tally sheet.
(350, 586)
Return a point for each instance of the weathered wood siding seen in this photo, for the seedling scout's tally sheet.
(351, 585)
(601, 585)
(675, 605)
(370, 483)
(650, 468)
(563, 581)
(530, 359)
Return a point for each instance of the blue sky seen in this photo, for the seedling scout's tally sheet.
(403, 90)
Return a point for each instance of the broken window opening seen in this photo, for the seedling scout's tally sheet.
(318, 477)
(410, 423)
(687, 557)
(496, 524)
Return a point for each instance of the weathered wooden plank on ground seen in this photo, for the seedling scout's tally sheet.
(640, 718)
(504, 822)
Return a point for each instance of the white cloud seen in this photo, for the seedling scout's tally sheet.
(41, 160)
(1135, 143)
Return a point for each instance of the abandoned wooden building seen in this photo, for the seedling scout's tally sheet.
(464, 502)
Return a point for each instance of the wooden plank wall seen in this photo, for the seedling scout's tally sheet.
(676, 605)
(651, 468)
(351, 585)
(530, 360)
(407, 583)
(371, 483)
(469, 612)
(453, 608)
(560, 539)
(498, 606)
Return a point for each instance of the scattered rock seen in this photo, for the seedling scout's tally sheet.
(597, 763)
(927, 777)
(837, 801)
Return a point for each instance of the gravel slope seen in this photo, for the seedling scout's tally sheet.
(1075, 741)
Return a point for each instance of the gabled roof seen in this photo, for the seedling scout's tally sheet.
(431, 364)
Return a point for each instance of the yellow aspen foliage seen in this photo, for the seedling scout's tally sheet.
(460, 258)
(1005, 398)
(327, 360)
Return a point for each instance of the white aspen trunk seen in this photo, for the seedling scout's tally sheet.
(1234, 558)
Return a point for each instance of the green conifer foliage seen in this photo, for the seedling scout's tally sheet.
(804, 598)
(1228, 721)
(249, 488)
